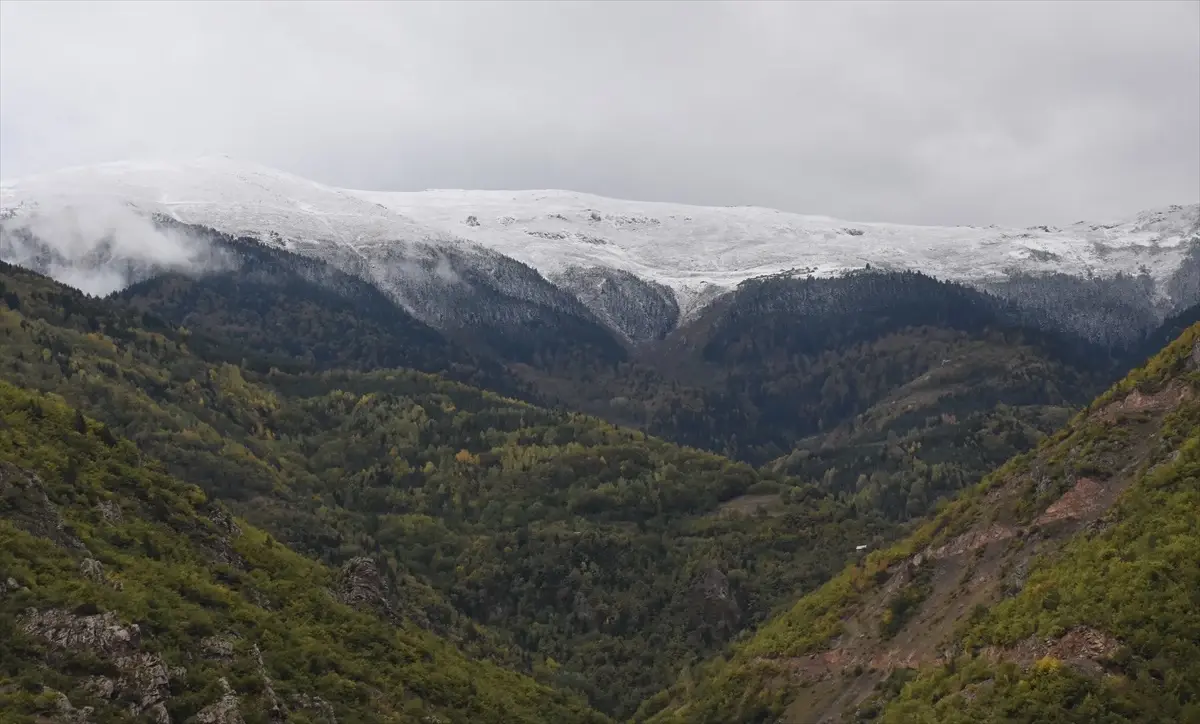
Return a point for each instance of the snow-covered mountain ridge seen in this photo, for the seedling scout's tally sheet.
(688, 248)
(696, 252)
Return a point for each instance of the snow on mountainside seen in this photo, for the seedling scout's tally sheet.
(578, 239)
(688, 248)
(235, 198)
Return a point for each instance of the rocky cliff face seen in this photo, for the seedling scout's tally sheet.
(142, 679)
(360, 586)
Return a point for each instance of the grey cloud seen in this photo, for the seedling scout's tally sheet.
(1015, 113)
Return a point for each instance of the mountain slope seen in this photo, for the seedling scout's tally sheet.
(1062, 586)
(494, 305)
(1109, 614)
(696, 252)
(598, 557)
(126, 593)
(273, 308)
(781, 360)
(689, 247)
(770, 365)
(591, 556)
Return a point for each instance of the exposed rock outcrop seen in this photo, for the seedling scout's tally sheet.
(23, 500)
(221, 544)
(1084, 498)
(1082, 647)
(149, 679)
(102, 633)
(718, 607)
(100, 687)
(361, 586)
(92, 569)
(973, 540)
(217, 647)
(109, 511)
(276, 711)
(66, 713)
(144, 678)
(224, 522)
(9, 585)
(225, 710)
(317, 708)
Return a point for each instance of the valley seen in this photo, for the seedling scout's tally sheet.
(549, 485)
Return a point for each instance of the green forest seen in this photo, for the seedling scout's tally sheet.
(598, 558)
(126, 580)
(305, 511)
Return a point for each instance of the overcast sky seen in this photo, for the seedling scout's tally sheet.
(1010, 113)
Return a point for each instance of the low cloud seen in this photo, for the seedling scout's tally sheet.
(445, 271)
(100, 246)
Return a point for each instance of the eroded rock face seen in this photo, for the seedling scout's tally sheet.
(66, 713)
(225, 710)
(360, 585)
(91, 569)
(718, 606)
(23, 500)
(317, 708)
(1082, 647)
(1168, 398)
(220, 545)
(902, 574)
(110, 512)
(276, 711)
(145, 677)
(217, 647)
(973, 540)
(1083, 499)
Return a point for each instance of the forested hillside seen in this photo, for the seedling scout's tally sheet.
(792, 358)
(597, 559)
(784, 360)
(1061, 588)
(268, 308)
(126, 594)
(597, 555)
(776, 362)
(889, 390)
